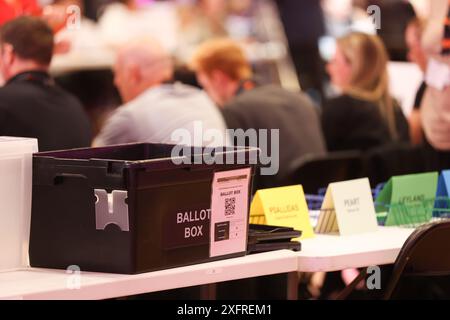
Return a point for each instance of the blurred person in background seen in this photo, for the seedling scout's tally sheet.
(94, 8)
(202, 20)
(417, 55)
(123, 21)
(395, 16)
(364, 115)
(78, 32)
(225, 73)
(31, 105)
(10, 9)
(304, 25)
(343, 16)
(199, 20)
(54, 14)
(435, 109)
(207, 16)
(153, 106)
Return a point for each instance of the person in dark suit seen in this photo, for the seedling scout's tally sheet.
(225, 74)
(31, 105)
(364, 115)
(304, 24)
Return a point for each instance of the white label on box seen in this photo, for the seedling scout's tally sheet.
(229, 212)
(348, 208)
(354, 206)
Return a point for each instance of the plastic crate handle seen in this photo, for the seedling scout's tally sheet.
(59, 178)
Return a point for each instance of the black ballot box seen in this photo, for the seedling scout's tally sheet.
(139, 207)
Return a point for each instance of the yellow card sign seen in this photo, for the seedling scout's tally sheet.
(284, 207)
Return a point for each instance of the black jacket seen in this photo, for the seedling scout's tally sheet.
(271, 107)
(354, 124)
(32, 106)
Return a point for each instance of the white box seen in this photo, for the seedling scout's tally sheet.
(16, 159)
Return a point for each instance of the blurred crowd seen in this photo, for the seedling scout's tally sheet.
(177, 62)
(180, 63)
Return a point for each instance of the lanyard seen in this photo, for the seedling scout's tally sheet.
(34, 76)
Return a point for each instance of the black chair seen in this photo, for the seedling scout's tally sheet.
(422, 269)
(315, 172)
(390, 160)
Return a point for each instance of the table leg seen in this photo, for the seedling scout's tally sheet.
(349, 289)
(208, 291)
(292, 285)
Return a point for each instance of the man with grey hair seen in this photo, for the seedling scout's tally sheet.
(154, 108)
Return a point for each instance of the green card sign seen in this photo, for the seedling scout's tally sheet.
(409, 199)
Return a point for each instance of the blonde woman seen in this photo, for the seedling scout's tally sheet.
(364, 115)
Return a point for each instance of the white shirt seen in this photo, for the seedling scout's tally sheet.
(170, 113)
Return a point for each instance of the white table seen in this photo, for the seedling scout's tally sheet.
(322, 253)
(55, 284)
(328, 253)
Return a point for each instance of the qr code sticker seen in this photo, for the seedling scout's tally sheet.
(230, 206)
